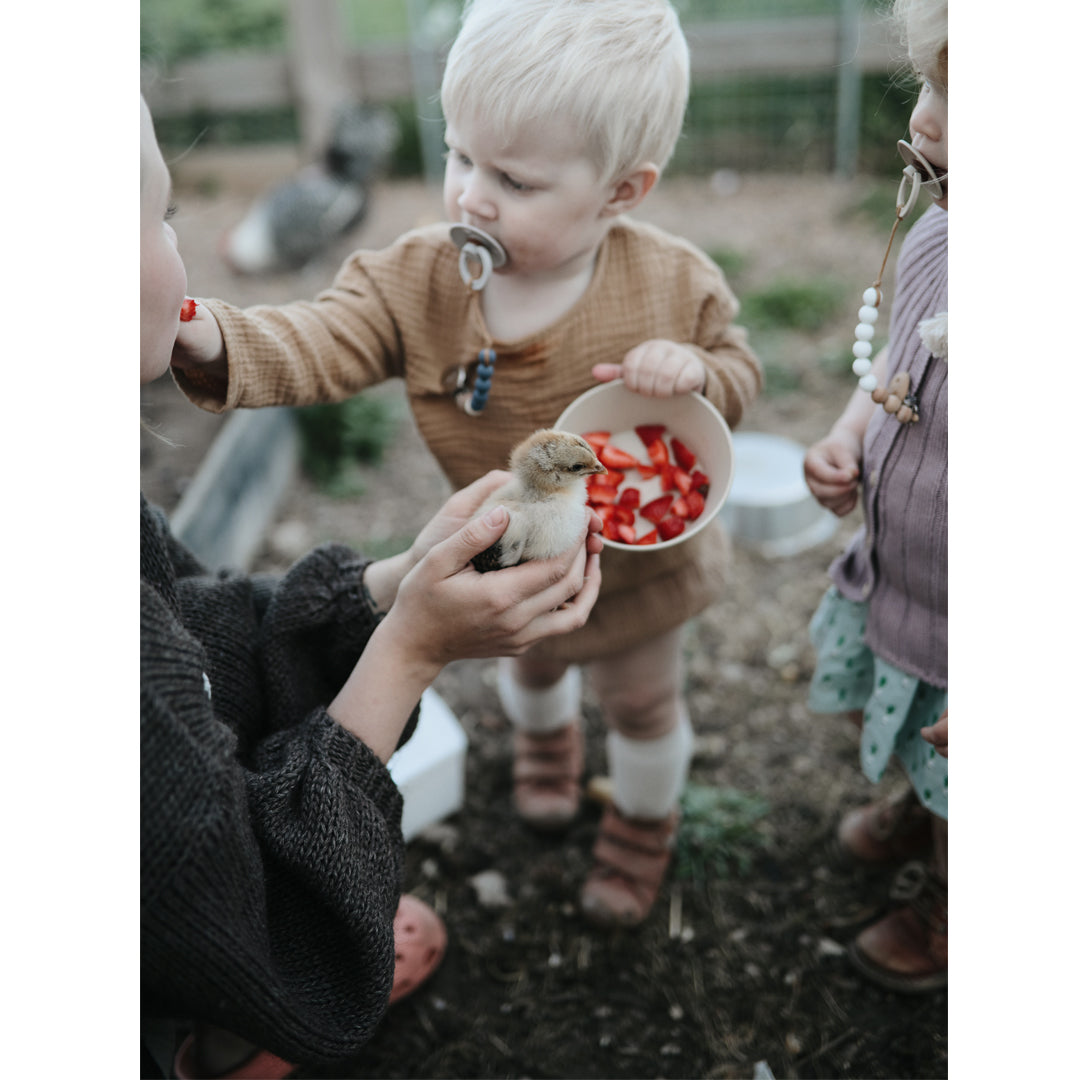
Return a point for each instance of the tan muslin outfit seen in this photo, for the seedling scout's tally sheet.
(405, 312)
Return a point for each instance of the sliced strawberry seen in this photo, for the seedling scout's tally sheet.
(657, 509)
(630, 497)
(611, 530)
(647, 472)
(670, 527)
(596, 439)
(605, 512)
(648, 433)
(680, 507)
(614, 458)
(700, 481)
(696, 503)
(602, 496)
(622, 515)
(647, 538)
(667, 477)
(658, 453)
(612, 478)
(626, 533)
(683, 455)
(681, 479)
(187, 310)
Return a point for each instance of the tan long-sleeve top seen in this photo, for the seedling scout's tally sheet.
(405, 312)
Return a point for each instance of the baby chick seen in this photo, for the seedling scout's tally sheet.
(545, 498)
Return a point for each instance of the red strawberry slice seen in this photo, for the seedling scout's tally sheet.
(626, 533)
(647, 538)
(681, 479)
(656, 510)
(658, 453)
(695, 502)
(700, 481)
(670, 527)
(602, 495)
(597, 438)
(622, 515)
(614, 458)
(683, 455)
(187, 310)
(648, 433)
(611, 530)
(680, 507)
(630, 497)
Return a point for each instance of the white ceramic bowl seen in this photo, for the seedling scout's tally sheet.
(688, 417)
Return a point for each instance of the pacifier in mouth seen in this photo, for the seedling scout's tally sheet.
(928, 176)
(477, 248)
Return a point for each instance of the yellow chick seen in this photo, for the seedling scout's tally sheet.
(545, 499)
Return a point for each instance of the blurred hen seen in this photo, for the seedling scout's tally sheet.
(297, 220)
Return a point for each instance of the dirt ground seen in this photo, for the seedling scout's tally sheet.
(740, 964)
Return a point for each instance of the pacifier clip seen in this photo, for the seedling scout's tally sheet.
(480, 254)
(897, 398)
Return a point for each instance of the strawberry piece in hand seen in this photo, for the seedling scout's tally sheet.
(187, 310)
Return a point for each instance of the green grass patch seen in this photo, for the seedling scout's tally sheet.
(335, 438)
(732, 262)
(718, 834)
(789, 304)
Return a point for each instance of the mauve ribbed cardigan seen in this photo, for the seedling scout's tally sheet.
(899, 559)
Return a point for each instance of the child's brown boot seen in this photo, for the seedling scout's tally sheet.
(630, 858)
(547, 775)
(890, 830)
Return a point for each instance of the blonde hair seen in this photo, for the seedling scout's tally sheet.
(924, 25)
(617, 70)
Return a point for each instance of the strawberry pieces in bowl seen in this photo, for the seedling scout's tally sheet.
(670, 463)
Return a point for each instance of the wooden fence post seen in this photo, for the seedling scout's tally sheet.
(317, 68)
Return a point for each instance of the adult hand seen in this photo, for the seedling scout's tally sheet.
(657, 368)
(831, 468)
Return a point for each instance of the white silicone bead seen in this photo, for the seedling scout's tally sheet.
(868, 313)
(862, 348)
(864, 332)
(868, 383)
(870, 296)
(861, 366)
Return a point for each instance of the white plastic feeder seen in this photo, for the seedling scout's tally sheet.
(429, 769)
(770, 506)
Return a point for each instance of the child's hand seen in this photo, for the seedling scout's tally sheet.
(831, 468)
(937, 735)
(199, 341)
(657, 369)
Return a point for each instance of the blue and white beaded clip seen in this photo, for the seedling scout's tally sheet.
(482, 253)
(918, 174)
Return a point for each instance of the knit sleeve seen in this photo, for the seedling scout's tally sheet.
(268, 888)
(733, 375)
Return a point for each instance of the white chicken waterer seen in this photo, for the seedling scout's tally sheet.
(769, 505)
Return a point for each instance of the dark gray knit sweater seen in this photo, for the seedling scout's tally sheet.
(271, 838)
(899, 559)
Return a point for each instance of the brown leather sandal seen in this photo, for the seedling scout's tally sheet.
(630, 858)
(547, 776)
(891, 830)
(908, 950)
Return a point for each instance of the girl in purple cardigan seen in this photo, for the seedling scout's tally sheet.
(881, 632)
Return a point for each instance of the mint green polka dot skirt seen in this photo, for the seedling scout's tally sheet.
(895, 704)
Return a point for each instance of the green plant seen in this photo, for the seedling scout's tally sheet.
(335, 437)
(731, 262)
(718, 833)
(794, 305)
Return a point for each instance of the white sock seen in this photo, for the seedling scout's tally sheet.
(538, 711)
(648, 775)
